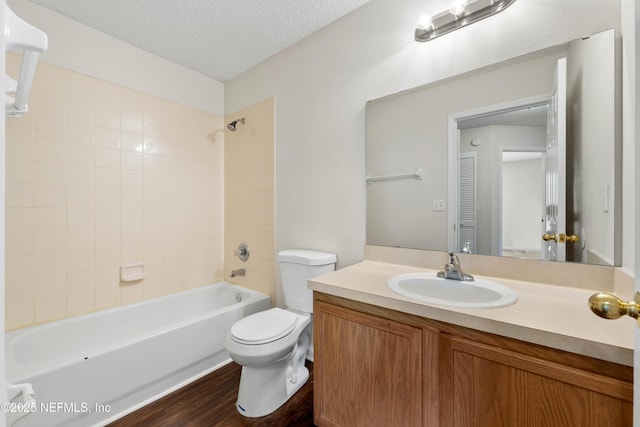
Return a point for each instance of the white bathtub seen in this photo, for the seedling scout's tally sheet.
(95, 368)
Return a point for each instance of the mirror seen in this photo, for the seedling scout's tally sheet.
(465, 164)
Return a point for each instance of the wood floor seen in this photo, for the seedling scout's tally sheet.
(210, 401)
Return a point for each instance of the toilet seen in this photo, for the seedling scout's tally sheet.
(272, 345)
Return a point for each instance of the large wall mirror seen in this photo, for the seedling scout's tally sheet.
(521, 159)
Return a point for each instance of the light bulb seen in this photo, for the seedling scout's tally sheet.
(425, 22)
(458, 7)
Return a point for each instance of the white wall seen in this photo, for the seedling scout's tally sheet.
(79, 48)
(522, 185)
(322, 83)
(592, 116)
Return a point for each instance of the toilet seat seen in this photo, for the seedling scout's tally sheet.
(264, 327)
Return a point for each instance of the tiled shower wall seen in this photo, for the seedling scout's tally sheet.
(250, 197)
(100, 176)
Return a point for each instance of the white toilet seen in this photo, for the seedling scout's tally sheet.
(272, 345)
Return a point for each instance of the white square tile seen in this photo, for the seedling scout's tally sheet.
(20, 195)
(51, 286)
(130, 160)
(20, 147)
(50, 241)
(50, 309)
(50, 218)
(84, 218)
(50, 196)
(19, 219)
(108, 237)
(107, 178)
(20, 171)
(79, 175)
(108, 117)
(81, 239)
(50, 173)
(81, 261)
(108, 138)
(81, 154)
(81, 197)
(81, 133)
(108, 198)
(19, 316)
(20, 242)
(152, 163)
(81, 303)
(130, 141)
(50, 150)
(131, 179)
(107, 298)
(50, 264)
(131, 198)
(107, 157)
(81, 281)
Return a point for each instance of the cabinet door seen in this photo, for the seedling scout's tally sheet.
(367, 370)
(482, 385)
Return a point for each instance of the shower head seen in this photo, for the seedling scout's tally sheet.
(232, 126)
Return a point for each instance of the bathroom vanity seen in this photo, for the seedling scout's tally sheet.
(383, 359)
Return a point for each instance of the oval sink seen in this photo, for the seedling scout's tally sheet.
(427, 287)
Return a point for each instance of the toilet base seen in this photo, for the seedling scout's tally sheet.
(263, 390)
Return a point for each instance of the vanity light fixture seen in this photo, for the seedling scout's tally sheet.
(460, 14)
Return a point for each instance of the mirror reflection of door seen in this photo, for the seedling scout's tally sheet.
(521, 201)
(556, 161)
(519, 128)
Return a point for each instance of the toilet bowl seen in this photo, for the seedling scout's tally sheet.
(272, 363)
(272, 345)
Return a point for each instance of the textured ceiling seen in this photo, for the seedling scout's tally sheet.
(218, 38)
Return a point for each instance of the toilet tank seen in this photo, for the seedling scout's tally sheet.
(296, 267)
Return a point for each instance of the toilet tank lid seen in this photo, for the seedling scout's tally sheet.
(306, 257)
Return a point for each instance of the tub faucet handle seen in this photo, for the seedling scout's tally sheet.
(242, 252)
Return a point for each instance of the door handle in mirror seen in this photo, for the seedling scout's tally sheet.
(560, 237)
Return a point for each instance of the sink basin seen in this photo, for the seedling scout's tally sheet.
(429, 288)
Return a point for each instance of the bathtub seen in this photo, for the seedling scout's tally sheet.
(92, 369)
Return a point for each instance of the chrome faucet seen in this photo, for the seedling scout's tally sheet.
(452, 270)
(238, 272)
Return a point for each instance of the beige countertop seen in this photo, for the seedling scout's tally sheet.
(550, 315)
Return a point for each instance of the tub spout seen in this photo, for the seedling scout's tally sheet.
(238, 272)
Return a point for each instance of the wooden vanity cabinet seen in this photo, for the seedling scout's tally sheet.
(379, 367)
(370, 369)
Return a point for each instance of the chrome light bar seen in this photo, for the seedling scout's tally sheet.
(459, 15)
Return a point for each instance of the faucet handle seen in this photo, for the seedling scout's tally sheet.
(453, 259)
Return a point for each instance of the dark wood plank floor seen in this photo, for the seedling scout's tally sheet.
(210, 401)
